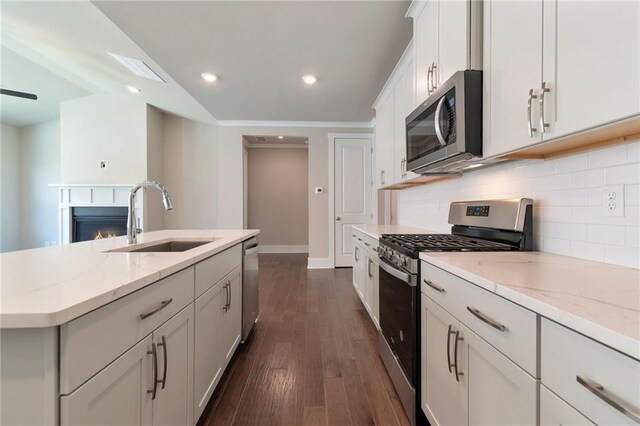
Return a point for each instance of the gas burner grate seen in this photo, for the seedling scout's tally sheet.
(443, 242)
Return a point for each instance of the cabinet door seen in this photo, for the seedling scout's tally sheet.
(426, 45)
(208, 358)
(591, 63)
(232, 316)
(454, 36)
(440, 390)
(368, 290)
(494, 390)
(555, 412)
(375, 292)
(512, 66)
(384, 142)
(116, 395)
(174, 342)
(399, 149)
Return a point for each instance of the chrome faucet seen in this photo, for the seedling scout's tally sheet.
(132, 229)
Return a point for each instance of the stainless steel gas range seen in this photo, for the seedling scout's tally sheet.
(491, 225)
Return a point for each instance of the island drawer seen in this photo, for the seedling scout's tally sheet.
(92, 341)
(597, 380)
(214, 268)
(508, 327)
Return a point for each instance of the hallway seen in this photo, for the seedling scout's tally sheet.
(312, 357)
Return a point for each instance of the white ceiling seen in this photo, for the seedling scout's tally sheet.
(20, 74)
(71, 39)
(261, 49)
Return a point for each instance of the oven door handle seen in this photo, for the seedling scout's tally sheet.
(407, 278)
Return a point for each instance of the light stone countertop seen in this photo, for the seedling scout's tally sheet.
(53, 285)
(374, 231)
(596, 299)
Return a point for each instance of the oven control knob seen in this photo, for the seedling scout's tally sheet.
(404, 261)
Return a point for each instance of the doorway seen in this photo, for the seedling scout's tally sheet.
(276, 192)
(352, 191)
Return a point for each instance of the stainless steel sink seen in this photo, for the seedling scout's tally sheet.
(163, 247)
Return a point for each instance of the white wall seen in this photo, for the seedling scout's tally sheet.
(567, 194)
(39, 167)
(277, 197)
(9, 189)
(103, 128)
(190, 173)
(153, 209)
(230, 175)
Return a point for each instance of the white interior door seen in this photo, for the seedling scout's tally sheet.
(352, 195)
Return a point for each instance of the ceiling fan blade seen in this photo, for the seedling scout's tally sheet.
(18, 94)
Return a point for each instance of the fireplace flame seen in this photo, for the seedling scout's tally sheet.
(99, 235)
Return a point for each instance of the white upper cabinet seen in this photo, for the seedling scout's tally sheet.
(447, 39)
(425, 35)
(403, 105)
(591, 64)
(384, 142)
(512, 74)
(556, 67)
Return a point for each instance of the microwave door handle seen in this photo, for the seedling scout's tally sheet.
(436, 123)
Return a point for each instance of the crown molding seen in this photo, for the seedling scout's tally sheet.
(277, 145)
(332, 124)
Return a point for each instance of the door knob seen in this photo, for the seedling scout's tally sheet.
(338, 219)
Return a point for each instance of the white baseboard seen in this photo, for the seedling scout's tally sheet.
(284, 249)
(319, 263)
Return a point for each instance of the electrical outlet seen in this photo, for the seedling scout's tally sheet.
(613, 201)
(103, 165)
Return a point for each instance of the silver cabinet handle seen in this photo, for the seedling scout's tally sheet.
(355, 254)
(429, 74)
(230, 294)
(436, 122)
(160, 307)
(449, 333)
(598, 390)
(544, 89)
(228, 286)
(435, 287)
(381, 177)
(455, 356)
(369, 269)
(434, 76)
(164, 352)
(482, 317)
(367, 244)
(154, 353)
(531, 130)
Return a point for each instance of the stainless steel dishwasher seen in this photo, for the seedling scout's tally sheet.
(250, 268)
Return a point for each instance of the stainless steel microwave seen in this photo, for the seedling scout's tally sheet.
(444, 134)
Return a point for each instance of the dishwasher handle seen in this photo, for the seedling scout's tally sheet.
(251, 250)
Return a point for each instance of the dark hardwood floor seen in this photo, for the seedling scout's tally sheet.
(312, 357)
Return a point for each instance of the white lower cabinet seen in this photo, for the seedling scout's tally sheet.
(465, 380)
(116, 395)
(218, 323)
(365, 274)
(555, 412)
(150, 384)
(174, 346)
(371, 300)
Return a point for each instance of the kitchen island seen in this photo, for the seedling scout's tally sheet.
(91, 333)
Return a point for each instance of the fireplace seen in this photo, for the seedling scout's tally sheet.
(93, 223)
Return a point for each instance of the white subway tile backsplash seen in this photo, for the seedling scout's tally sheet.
(607, 234)
(627, 174)
(625, 256)
(586, 250)
(610, 156)
(568, 215)
(588, 179)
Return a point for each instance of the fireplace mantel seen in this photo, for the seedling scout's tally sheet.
(91, 195)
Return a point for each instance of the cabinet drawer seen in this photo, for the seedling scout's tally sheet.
(510, 328)
(213, 269)
(89, 343)
(555, 412)
(567, 356)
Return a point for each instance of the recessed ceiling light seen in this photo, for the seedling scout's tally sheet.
(137, 67)
(280, 137)
(309, 79)
(208, 77)
(133, 89)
